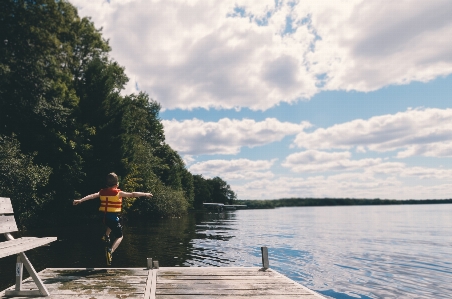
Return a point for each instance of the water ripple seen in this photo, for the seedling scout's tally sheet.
(342, 252)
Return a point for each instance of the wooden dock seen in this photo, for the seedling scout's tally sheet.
(169, 283)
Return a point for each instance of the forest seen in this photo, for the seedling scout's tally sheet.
(65, 123)
(316, 202)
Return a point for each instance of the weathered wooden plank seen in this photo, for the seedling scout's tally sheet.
(55, 283)
(111, 282)
(228, 292)
(219, 273)
(205, 282)
(5, 206)
(227, 283)
(154, 285)
(226, 287)
(222, 285)
(89, 272)
(215, 269)
(16, 242)
(151, 285)
(22, 244)
(307, 296)
(284, 278)
(92, 283)
(149, 282)
(84, 296)
(110, 277)
(7, 224)
(119, 275)
(212, 270)
(94, 291)
(27, 293)
(56, 293)
(212, 277)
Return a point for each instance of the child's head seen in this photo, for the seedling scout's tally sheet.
(112, 180)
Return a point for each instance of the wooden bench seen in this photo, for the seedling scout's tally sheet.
(18, 246)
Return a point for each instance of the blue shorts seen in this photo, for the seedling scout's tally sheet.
(111, 220)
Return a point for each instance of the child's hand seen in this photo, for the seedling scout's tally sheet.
(76, 202)
(149, 195)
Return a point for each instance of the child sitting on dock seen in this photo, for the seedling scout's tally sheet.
(110, 207)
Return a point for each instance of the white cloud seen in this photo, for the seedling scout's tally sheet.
(230, 54)
(353, 185)
(227, 136)
(318, 161)
(358, 184)
(189, 54)
(367, 45)
(343, 177)
(417, 132)
(239, 169)
(188, 159)
(437, 149)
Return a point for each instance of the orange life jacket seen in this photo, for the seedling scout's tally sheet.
(110, 202)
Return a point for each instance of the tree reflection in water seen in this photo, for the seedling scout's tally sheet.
(170, 241)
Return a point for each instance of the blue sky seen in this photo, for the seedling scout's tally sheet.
(296, 98)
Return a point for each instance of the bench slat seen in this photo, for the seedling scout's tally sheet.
(8, 224)
(22, 244)
(5, 206)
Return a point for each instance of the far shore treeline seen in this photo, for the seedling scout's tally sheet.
(313, 202)
(65, 123)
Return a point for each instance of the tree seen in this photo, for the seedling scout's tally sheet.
(44, 49)
(221, 191)
(188, 187)
(21, 179)
(202, 191)
(99, 120)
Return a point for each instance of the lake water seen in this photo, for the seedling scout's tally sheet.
(341, 252)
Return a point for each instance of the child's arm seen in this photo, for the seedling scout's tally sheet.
(134, 194)
(88, 197)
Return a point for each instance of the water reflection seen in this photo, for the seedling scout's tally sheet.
(170, 241)
(342, 252)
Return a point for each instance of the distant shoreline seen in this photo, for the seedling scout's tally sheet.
(322, 202)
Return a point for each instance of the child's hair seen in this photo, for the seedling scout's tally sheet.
(112, 179)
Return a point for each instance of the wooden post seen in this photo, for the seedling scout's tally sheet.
(265, 262)
(149, 263)
(42, 288)
(19, 273)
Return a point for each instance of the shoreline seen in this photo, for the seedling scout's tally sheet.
(323, 202)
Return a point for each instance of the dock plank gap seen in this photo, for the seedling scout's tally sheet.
(168, 283)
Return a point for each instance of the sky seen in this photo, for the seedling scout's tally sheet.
(296, 98)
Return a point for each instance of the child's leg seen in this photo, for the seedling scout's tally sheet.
(108, 231)
(117, 231)
(116, 244)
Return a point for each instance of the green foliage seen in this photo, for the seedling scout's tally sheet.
(44, 49)
(166, 202)
(310, 202)
(202, 191)
(212, 190)
(21, 179)
(188, 187)
(221, 191)
(60, 96)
